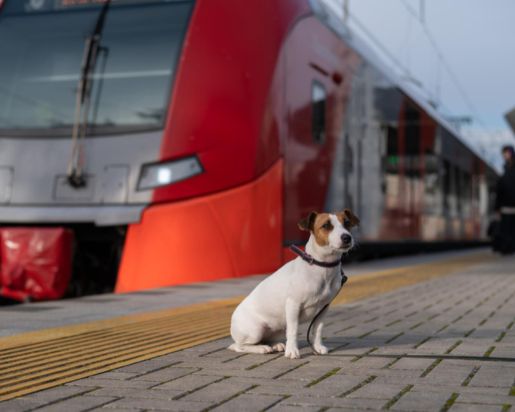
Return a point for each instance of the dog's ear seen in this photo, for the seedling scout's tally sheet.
(348, 215)
(308, 222)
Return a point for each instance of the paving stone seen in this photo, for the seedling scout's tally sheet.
(377, 391)
(153, 364)
(309, 372)
(450, 372)
(476, 407)
(55, 394)
(249, 402)
(472, 347)
(349, 408)
(19, 405)
(280, 407)
(116, 375)
(421, 401)
(108, 409)
(239, 373)
(136, 393)
(504, 350)
(370, 363)
(78, 404)
(239, 360)
(272, 367)
(335, 385)
(327, 402)
(218, 392)
(487, 399)
(496, 376)
(110, 383)
(166, 374)
(187, 383)
(397, 375)
(395, 350)
(157, 404)
(421, 386)
(480, 390)
(412, 364)
(282, 388)
(209, 347)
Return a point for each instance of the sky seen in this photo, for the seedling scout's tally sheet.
(471, 72)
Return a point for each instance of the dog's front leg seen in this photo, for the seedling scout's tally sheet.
(318, 346)
(292, 328)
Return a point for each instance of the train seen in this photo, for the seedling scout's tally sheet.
(180, 141)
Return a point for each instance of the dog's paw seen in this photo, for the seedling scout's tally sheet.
(292, 353)
(265, 349)
(278, 347)
(321, 349)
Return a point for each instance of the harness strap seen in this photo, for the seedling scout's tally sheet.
(344, 279)
(312, 261)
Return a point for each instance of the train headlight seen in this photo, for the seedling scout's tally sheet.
(162, 174)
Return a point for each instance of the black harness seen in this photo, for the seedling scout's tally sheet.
(312, 261)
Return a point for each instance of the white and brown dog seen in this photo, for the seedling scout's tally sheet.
(297, 291)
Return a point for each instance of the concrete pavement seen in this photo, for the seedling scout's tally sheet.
(446, 344)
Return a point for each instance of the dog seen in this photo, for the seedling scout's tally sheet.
(297, 291)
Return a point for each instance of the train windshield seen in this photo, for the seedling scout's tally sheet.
(42, 43)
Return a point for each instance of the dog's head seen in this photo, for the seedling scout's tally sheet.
(331, 230)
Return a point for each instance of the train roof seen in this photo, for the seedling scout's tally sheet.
(325, 12)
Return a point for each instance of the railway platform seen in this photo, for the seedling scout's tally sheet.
(425, 333)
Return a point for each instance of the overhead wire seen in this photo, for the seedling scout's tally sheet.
(442, 59)
(405, 72)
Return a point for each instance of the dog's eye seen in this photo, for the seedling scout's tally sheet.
(327, 226)
(346, 222)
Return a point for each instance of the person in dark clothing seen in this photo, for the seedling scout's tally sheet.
(505, 202)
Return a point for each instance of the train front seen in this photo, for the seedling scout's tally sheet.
(102, 164)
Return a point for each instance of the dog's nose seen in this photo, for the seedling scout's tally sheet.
(346, 239)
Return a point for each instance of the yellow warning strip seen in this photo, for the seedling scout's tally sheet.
(85, 350)
(34, 361)
(43, 349)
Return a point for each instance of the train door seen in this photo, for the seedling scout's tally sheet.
(363, 141)
(355, 135)
(313, 122)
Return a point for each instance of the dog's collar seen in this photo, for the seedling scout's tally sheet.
(312, 261)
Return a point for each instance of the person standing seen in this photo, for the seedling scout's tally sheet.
(505, 202)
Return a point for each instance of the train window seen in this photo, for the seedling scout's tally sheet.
(318, 101)
(41, 66)
(458, 193)
(431, 182)
(458, 189)
(446, 185)
(467, 194)
(392, 150)
(412, 130)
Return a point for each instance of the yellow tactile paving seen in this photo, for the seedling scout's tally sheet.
(34, 361)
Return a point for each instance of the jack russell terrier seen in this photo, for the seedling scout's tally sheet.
(298, 292)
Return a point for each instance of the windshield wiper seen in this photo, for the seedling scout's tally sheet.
(92, 48)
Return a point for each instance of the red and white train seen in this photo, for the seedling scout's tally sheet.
(178, 141)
